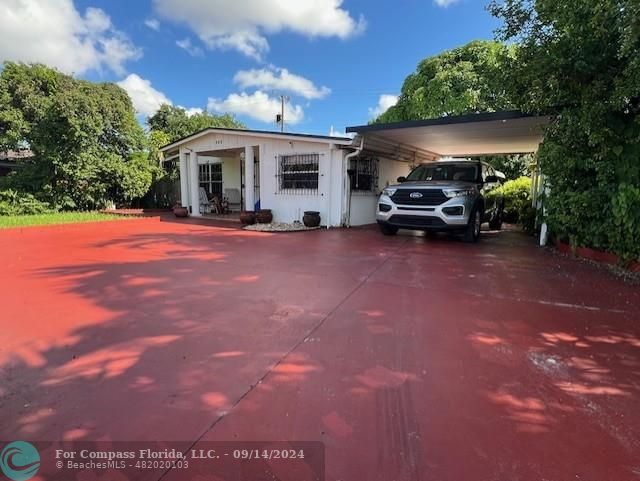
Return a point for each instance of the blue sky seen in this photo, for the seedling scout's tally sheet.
(337, 60)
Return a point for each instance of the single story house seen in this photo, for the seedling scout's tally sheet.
(340, 177)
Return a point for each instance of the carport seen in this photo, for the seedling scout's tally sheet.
(406, 144)
(493, 133)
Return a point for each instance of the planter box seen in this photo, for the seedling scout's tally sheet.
(594, 255)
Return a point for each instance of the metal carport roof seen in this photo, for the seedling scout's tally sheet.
(508, 132)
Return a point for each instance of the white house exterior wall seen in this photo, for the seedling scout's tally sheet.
(363, 204)
(289, 206)
(286, 207)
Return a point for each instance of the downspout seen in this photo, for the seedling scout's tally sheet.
(346, 221)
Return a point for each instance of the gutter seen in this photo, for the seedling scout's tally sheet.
(346, 198)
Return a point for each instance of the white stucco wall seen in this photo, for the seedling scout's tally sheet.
(286, 207)
(363, 205)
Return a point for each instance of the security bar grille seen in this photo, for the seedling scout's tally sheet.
(363, 174)
(298, 173)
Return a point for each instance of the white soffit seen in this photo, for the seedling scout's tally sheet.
(479, 134)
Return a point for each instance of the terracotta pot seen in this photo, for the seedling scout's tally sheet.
(180, 211)
(248, 217)
(311, 218)
(264, 216)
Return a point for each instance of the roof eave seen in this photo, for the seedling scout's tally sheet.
(258, 133)
(450, 120)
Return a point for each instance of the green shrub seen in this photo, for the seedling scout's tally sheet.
(625, 235)
(19, 203)
(517, 201)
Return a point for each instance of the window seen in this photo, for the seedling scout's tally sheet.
(465, 172)
(363, 174)
(299, 172)
(211, 179)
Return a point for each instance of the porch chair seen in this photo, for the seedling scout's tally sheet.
(233, 198)
(205, 203)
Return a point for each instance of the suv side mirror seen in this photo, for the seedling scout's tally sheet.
(491, 179)
(401, 179)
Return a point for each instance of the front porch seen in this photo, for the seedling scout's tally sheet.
(220, 183)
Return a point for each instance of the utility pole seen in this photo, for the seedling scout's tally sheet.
(280, 116)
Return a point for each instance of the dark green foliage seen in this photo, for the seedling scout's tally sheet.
(86, 140)
(15, 203)
(517, 202)
(464, 80)
(580, 60)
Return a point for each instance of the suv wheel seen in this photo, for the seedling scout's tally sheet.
(472, 231)
(387, 229)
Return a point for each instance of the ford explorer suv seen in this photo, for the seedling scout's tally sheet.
(443, 196)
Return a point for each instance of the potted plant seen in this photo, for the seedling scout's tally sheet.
(311, 218)
(248, 217)
(180, 211)
(264, 216)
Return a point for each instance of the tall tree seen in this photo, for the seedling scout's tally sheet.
(176, 123)
(580, 60)
(84, 136)
(464, 80)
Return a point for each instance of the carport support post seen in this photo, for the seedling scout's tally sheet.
(184, 179)
(249, 200)
(194, 183)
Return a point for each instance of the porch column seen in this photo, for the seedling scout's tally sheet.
(249, 198)
(194, 183)
(184, 179)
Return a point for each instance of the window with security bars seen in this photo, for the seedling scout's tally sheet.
(299, 173)
(211, 179)
(363, 174)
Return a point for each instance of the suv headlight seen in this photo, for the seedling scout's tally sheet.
(388, 191)
(451, 193)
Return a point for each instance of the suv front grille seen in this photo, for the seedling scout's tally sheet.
(429, 197)
(416, 221)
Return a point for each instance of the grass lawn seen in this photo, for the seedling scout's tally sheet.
(56, 218)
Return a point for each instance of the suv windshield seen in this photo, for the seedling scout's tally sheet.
(461, 172)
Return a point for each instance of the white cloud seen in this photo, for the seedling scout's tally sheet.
(146, 100)
(384, 102)
(191, 49)
(53, 32)
(153, 24)
(258, 105)
(192, 111)
(280, 79)
(445, 3)
(243, 24)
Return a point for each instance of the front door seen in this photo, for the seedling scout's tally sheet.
(211, 179)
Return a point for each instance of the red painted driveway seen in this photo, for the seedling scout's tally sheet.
(410, 358)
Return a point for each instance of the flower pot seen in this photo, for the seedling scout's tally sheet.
(264, 216)
(248, 217)
(311, 218)
(180, 211)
